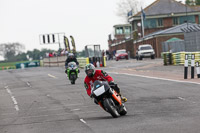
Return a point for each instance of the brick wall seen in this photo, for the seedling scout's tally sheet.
(161, 39)
(156, 43)
(167, 22)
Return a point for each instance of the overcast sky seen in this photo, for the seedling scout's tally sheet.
(88, 21)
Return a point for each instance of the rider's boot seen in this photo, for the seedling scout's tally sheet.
(124, 99)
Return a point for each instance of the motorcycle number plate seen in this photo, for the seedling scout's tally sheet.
(99, 91)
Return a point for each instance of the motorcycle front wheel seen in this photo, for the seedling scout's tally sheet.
(110, 107)
(123, 110)
(73, 78)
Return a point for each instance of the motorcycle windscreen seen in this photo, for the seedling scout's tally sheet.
(99, 91)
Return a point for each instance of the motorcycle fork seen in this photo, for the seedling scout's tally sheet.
(101, 104)
(68, 72)
(77, 73)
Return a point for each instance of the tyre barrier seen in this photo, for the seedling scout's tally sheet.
(183, 58)
(178, 58)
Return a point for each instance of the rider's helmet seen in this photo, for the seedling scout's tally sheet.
(90, 70)
(71, 55)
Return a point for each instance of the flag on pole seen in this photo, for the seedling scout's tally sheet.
(130, 13)
(143, 14)
(66, 41)
(73, 44)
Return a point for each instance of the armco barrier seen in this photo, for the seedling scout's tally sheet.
(27, 64)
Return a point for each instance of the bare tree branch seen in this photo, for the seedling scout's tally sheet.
(125, 6)
(10, 50)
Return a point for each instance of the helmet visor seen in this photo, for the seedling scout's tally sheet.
(89, 72)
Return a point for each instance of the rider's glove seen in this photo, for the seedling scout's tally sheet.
(111, 83)
(91, 95)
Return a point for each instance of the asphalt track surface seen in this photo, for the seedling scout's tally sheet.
(42, 100)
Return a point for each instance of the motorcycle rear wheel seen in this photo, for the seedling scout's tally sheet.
(110, 106)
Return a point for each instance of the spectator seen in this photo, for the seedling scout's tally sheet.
(66, 52)
(107, 54)
(51, 54)
(47, 54)
(103, 54)
(62, 52)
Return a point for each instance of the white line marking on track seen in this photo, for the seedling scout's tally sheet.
(181, 98)
(75, 109)
(156, 78)
(28, 84)
(17, 107)
(13, 98)
(83, 121)
(52, 76)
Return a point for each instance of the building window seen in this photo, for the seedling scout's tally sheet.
(160, 22)
(175, 21)
(119, 30)
(127, 30)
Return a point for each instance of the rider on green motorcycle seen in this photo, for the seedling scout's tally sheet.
(71, 58)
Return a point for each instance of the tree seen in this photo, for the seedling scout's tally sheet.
(21, 57)
(10, 50)
(81, 53)
(197, 2)
(36, 54)
(44, 51)
(125, 6)
(191, 2)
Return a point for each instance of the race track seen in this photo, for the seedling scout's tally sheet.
(42, 100)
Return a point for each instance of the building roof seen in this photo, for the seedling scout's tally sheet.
(167, 7)
(173, 30)
(120, 25)
(174, 39)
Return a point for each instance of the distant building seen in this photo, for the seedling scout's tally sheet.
(159, 16)
(121, 32)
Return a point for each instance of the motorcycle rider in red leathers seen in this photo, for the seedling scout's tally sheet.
(93, 75)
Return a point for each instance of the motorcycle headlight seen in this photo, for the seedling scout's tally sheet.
(99, 91)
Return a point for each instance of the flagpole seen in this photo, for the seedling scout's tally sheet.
(142, 19)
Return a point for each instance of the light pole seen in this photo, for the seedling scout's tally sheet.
(186, 14)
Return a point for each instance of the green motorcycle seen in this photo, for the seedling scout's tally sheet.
(72, 72)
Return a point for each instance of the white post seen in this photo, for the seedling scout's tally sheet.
(198, 69)
(192, 66)
(186, 66)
